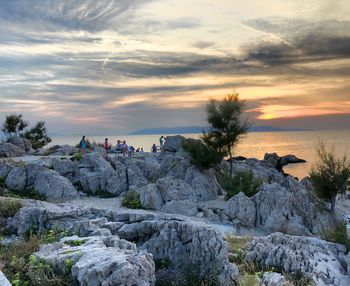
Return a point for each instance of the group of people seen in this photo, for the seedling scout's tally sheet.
(121, 147)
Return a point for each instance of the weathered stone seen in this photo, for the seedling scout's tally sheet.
(181, 207)
(241, 210)
(316, 259)
(274, 279)
(101, 261)
(64, 167)
(3, 280)
(54, 187)
(175, 190)
(8, 150)
(151, 198)
(22, 143)
(63, 150)
(173, 143)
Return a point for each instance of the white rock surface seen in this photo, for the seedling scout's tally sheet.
(3, 280)
(324, 262)
(8, 150)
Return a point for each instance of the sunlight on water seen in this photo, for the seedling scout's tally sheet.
(254, 145)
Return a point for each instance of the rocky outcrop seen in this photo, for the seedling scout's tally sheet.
(324, 262)
(22, 143)
(37, 178)
(62, 150)
(166, 237)
(274, 279)
(54, 187)
(274, 161)
(100, 260)
(8, 150)
(95, 175)
(3, 280)
(173, 143)
(241, 210)
(184, 207)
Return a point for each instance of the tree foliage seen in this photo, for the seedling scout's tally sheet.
(13, 125)
(202, 156)
(330, 175)
(226, 125)
(38, 135)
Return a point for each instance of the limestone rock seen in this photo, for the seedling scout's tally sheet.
(173, 143)
(64, 167)
(240, 208)
(101, 261)
(63, 150)
(8, 150)
(54, 187)
(321, 261)
(151, 198)
(3, 280)
(181, 207)
(22, 143)
(274, 279)
(175, 190)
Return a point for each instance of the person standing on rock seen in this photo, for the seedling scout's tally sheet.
(161, 141)
(83, 144)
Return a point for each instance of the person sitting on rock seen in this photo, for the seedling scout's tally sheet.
(106, 145)
(154, 148)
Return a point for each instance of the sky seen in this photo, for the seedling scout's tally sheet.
(114, 66)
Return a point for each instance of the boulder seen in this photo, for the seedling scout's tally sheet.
(22, 143)
(175, 190)
(16, 179)
(54, 187)
(64, 167)
(8, 150)
(274, 279)
(95, 175)
(173, 143)
(174, 166)
(323, 262)
(181, 207)
(101, 261)
(5, 169)
(151, 198)
(291, 159)
(62, 150)
(241, 210)
(3, 280)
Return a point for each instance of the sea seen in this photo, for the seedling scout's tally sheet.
(303, 144)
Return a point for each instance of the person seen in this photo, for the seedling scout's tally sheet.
(131, 150)
(161, 141)
(141, 151)
(154, 148)
(106, 145)
(82, 144)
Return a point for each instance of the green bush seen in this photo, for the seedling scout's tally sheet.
(9, 207)
(132, 200)
(201, 155)
(240, 182)
(337, 233)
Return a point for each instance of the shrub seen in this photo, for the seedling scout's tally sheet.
(338, 234)
(132, 200)
(77, 157)
(9, 207)
(240, 182)
(248, 280)
(201, 155)
(330, 175)
(38, 135)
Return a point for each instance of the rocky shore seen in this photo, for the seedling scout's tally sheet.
(183, 222)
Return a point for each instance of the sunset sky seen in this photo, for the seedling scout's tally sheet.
(114, 66)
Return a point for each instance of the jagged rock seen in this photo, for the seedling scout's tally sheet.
(101, 261)
(175, 190)
(95, 175)
(165, 236)
(274, 279)
(241, 209)
(64, 167)
(54, 187)
(149, 168)
(22, 143)
(5, 169)
(3, 280)
(324, 262)
(174, 166)
(173, 143)
(8, 150)
(275, 161)
(16, 179)
(151, 198)
(203, 183)
(62, 150)
(181, 207)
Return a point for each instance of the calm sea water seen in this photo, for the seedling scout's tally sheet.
(254, 145)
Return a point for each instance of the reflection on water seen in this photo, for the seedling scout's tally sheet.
(255, 144)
